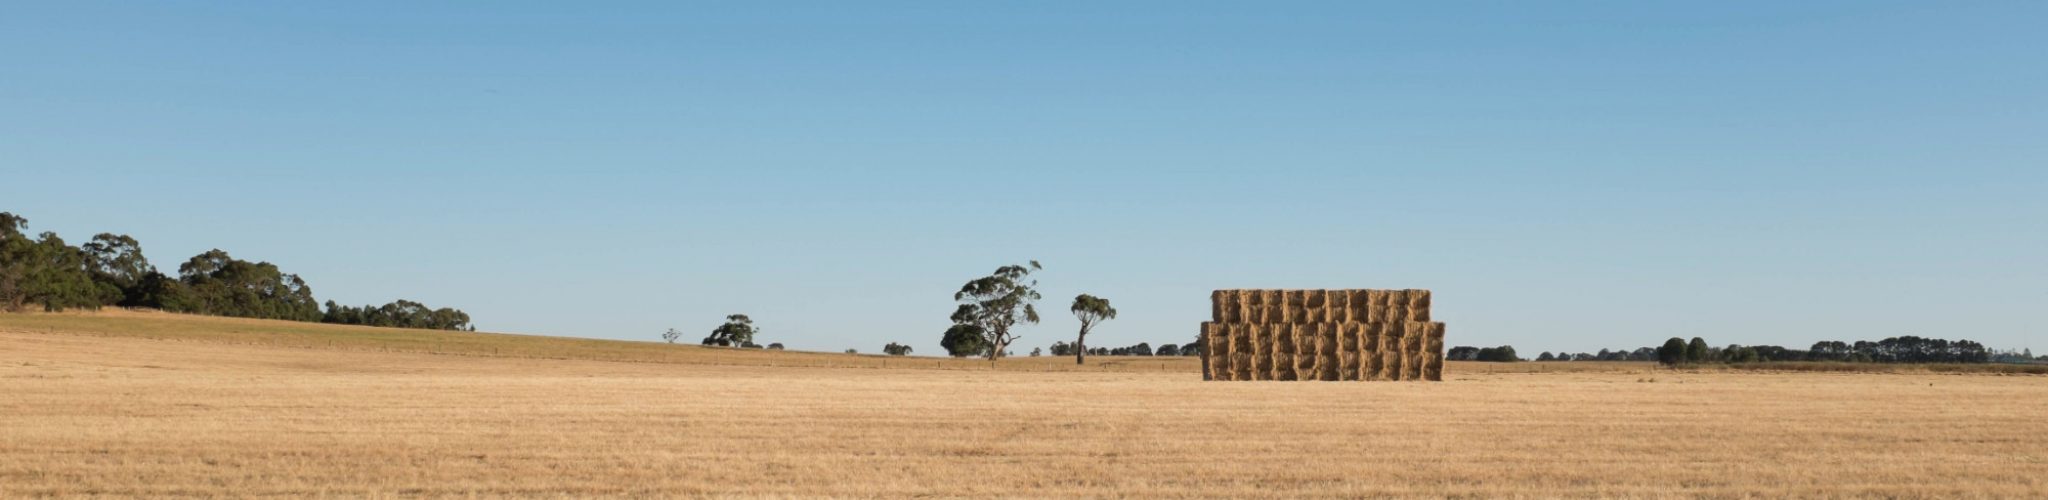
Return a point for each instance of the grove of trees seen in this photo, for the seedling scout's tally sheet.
(1502, 354)
(111, 270)
(400, 314)
(1902, 349)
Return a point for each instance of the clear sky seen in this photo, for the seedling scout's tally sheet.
(1564, 175)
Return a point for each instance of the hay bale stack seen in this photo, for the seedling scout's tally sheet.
(1322, 335)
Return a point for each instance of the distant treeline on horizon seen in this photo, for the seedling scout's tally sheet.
(1676, 351)
(111, 271)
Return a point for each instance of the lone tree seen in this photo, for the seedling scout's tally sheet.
(994, 304)
(738, 330)
(1092, 310)
(895, 349)
(671, 335)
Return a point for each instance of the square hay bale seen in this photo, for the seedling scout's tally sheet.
(1286, 352)
(1262, 352)
(1395, 314)
(1312, 302)
(1418, 305)
(1289, 306)
(1348, 349)
(1411, 350)
(1369, 351)
(1397, 306)
(1376, 306)
(1393, 351)
(1327, 364)
(1338, 305)
(1308, 346)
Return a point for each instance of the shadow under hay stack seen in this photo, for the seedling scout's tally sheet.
(1321, 335)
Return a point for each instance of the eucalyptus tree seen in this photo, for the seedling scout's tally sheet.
(996, 304)
(116, 259)
(1092, 311)
(738, 331)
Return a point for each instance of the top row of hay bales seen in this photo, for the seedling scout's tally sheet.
(1319, 306)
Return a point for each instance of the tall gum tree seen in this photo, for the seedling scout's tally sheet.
(1092, 311)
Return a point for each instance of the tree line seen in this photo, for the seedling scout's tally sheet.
(1502, 354)
(1679, 351)
(1141, 349)
(111, 270)
(1901, 349)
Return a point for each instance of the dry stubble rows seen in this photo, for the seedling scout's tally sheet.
(124, 416)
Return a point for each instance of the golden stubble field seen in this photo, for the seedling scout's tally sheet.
(82, 413)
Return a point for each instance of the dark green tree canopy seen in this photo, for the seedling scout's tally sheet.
(1672, 352)
(117, 259)
(1696, 351)
(400, 314)
(220, 284)
(738, 331)
(111, 269)
(964, 340)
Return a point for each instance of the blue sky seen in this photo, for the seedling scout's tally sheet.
(1565, 176)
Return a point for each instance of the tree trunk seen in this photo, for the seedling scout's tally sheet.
(1080, 348)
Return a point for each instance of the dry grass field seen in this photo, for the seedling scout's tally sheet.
(153, 405)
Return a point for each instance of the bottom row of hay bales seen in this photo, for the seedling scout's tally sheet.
(1324, 351)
